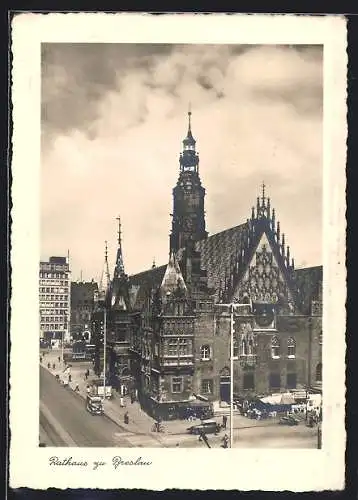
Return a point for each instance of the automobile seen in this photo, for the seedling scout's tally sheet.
(94, 405)
(206, 427)
(290, 420)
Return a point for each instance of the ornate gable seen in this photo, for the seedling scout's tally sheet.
(263, 281)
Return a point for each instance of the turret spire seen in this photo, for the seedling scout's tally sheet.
(105, 278)
(263, 194)
(119, 268)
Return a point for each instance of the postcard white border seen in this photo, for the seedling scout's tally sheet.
(295, 470)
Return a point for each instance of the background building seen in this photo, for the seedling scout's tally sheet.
(55, 291)
(82, 306)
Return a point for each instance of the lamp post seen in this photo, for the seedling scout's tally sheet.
(104, 350)
(232, 330)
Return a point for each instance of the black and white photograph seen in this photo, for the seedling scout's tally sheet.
(183, 268)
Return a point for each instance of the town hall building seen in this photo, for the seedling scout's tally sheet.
(178, 316)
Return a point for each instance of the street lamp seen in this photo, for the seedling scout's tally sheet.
(104, 350)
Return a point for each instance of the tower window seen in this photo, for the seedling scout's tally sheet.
(205, 353)
(177, 384)
(291, 348)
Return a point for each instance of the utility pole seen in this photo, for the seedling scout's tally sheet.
(104, 350)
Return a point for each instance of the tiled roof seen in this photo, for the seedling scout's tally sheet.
(308, 282)
(216, 253)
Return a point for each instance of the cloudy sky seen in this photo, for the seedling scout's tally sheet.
(114, 116)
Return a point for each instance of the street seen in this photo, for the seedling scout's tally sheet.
(64, 421)
(63, 417)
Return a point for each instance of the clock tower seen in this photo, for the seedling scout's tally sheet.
(188, 223)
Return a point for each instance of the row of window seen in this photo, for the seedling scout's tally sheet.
(56, 312)
(52, 290)
(207, 385)
(51, 275)
(52, 305)
(53, 319)
(53, 327)
(247, 348)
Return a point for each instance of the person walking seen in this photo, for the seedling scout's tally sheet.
(224, 421)
(225, 441)
(48, 365)
(59, 359)
(53, 365)
(126, 418)
(121, 402)
(69, 378)
(77, 388)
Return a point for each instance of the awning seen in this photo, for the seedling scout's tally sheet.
(201, 398)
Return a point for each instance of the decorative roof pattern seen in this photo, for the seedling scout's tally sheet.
(217, 254)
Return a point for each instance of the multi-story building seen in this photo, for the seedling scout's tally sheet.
(55, 300)
(82, 306)
(179, 314)
(111, 324)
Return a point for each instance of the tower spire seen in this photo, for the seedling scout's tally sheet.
(263, 193)
(189, 118)
(119, 267)
(105, 278)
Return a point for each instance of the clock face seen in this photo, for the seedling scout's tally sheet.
(264, 320)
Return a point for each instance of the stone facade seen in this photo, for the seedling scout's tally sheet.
(241, 281)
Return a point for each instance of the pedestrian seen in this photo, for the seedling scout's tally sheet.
(77, 388)
(59, 359)
(126, 418)
(69, 378)
(53, 365)
(132, 398)
(224, 421)
(225, 441)
(88, 389)
(121, 402)
(40, 359)
(48, 365)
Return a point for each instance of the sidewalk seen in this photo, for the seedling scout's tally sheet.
(140, 424)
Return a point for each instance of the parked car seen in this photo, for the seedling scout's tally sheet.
(290, 420)
(94, 405)
(206, 427)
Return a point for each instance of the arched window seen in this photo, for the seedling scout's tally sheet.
(205, 352)
(275, 347)
(250, 346)
(319, 372)
(236, 348)
(291, 348)
(244, 347)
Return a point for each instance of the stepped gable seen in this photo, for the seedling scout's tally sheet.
(217, 252)
(308, 282)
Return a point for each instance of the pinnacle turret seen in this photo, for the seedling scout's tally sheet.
(119, 267)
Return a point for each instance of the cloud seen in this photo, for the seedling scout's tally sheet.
(113, 120)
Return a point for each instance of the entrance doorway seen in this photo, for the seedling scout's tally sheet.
(225, 389)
